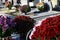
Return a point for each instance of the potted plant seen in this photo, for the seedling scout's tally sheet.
(23, 25)
(47, 29)
(25, 9)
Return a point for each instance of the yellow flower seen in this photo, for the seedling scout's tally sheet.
(39, 4)
(7, 4)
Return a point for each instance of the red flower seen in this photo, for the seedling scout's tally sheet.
(59, 38)
(48, 28)
(23, 24)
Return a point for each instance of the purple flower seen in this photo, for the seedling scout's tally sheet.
(4, 28)
(1, 20)
(5, 22)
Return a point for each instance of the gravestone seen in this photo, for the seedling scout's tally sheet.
(24, 2)
(35, 2)
(3, 1)
(54, 3)
(14, 2)
(45, 0)
(0, 2)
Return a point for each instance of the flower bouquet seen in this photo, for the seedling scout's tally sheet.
(47, 29)
(6, 25)
(8, 4)
(23, 25)
(25, 8)
(40, 6)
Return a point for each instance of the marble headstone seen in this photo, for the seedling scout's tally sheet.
(24, 2)
(3, 1)
(0, 2)
(54, 3)
(35, 2)
(14, 2)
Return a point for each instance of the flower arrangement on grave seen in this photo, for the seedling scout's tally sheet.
(6, 25)
(47, 29)
(25, 9)
(23, 25)
(40, 6)
(8, 4)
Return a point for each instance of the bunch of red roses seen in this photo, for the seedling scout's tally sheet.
(23, 24)
(47, 29)
(25, 18)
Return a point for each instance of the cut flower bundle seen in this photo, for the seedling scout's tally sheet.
(23, 23)
(47, 29)
(5, 25)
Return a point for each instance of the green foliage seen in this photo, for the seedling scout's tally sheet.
(54, 38)
(8, 32)
(41, 8)
(25, 8)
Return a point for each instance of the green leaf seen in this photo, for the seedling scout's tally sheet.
(53, 38)
(8, 32)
